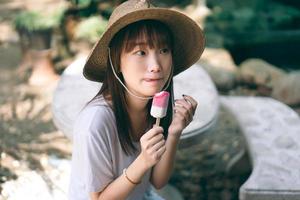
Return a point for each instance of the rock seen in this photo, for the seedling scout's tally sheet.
(259, 72)
(169, 192)
(198, 11)
(219, 58)
(223, 79)
(287, 89)
(220, 66)
(285, 142)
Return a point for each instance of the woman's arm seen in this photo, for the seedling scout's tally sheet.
(163, 169)
(120, 188)
(183, 114)
(152, 149)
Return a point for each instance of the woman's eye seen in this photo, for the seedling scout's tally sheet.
(141, 53)
(164, 51)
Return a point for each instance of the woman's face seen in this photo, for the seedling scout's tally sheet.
(146, 70)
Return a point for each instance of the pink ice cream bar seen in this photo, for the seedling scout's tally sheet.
(160, 104)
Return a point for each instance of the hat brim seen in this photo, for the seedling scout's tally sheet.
(188, 40)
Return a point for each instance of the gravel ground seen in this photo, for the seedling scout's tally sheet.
(205, 171)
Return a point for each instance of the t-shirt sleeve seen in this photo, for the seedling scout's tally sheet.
(98, 162)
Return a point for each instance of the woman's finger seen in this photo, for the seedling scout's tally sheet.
(155, 130)
(158, 145)
(191, 100)
(161, 151)
(155, 140)
(185, 108)
(182, 113)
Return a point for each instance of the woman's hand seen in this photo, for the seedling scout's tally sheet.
(184, 111)
(152, 146)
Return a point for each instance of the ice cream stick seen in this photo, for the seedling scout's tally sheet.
(157, 121)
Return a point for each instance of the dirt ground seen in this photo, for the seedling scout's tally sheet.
(26, 123)
(26, 126)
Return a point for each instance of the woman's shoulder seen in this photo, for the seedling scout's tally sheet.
(95, 125)
(96, 114)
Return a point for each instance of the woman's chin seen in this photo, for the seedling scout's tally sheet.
(152, 91)
(149, 91)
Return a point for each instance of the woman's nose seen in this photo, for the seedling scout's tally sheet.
(154, 64)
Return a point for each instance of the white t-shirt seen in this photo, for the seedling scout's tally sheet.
(97, 157)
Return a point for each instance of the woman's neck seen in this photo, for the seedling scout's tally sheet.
(138, 113)
(135, 105)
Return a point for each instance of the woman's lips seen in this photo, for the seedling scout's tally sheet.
(152, 80)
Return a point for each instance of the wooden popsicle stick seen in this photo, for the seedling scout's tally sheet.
(157, 121)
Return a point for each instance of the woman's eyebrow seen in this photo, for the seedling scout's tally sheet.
(141, 44)
(146, 44)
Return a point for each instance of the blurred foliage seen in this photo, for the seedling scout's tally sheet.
(266, 29)
(81, 3)
(263, 15)
(90, 29)
(37, 21)
(169, 3)
(85, 3)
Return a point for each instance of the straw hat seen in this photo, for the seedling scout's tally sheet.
(188, 36)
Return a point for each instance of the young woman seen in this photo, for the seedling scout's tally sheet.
(118, 152)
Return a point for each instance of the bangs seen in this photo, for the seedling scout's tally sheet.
(151, 33)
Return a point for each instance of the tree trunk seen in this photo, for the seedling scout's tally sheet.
(26, 57)
(36, 55)
(42, 68)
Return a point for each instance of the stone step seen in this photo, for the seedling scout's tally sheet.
(272, 133)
